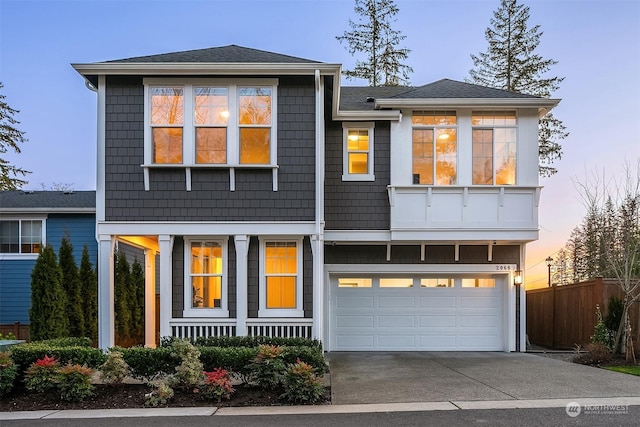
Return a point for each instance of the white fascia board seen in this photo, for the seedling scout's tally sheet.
(356, 236)
(418, 268)
(467, 235)
(416, 103)
(190, 68)
(202, 228)
(45, 210)
(393, 115)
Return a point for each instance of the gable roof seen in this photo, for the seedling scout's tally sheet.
(222, 54)
(47, 201)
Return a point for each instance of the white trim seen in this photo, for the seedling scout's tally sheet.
(369, 127)
(18, 257)
(19, 219)
(263, 311)
(242, 274)
(166, 274)
(190, 68)
(106, 324)
(200, 228)
(188, 310)
(39, 211)
(101, 150)
(421, 103)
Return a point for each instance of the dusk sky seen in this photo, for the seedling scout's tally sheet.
(596, 44)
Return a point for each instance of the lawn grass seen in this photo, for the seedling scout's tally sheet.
(633, 370)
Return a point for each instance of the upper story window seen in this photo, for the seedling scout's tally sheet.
(435, 148)
(281, 278)
(211, 122)
(21, 236)
(494, 142)
(206, 278)
(358, 152)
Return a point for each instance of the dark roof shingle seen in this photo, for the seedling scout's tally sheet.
(18, 199)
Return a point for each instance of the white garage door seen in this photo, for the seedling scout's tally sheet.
(416, 313)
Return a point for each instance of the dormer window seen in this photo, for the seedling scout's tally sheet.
(358, 152)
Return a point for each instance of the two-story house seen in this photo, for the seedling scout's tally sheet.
(278, 202)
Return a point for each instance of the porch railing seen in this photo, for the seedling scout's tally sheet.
(285, 328)
(196, 328)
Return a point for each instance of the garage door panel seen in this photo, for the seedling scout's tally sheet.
(480, 342)
(478, 321)
(355, 302)
(359, 341)
(396, 321)
(395, 302)
(443, 342)
(396, 341)
(477, 302)
(437, 321)
(437, 302)
(354, 321)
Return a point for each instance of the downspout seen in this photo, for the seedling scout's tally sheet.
(318, 252)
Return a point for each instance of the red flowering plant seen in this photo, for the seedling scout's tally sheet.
(217, 385)
(42, 375)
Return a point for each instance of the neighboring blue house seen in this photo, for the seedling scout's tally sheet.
(28, 220)
(274, 201)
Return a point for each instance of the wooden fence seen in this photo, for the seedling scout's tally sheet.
(564, 316)
(20, 331)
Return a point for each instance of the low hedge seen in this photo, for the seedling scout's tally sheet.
(147, 362)
(25, 354)
(256, 341)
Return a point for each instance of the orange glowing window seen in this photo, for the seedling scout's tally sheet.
(281, 271)
(254, 120)
(206, 274)
(211, 113)
(435, 148)
(494, 148)
(167, 120)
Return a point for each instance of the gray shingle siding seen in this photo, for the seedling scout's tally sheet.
(353, 205)
(210, 198)
(410, 254)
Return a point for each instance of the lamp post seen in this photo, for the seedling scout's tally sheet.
(549, 261)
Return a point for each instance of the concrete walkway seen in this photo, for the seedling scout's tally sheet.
(390, 377)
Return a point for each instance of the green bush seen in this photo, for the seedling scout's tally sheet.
(267, 368)
(147, 362)
(26, 354)
(311, 355)
(115, 369)
(66, 342)
(8, 336)
(301, 384)
(234, 359)
(190, 371)
(256, 342)
(74, 383)
(217, 385)
(601, 334)
(8, 374)
(161, 393)
(42, 375)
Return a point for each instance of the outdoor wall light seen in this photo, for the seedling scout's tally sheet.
(517, 279)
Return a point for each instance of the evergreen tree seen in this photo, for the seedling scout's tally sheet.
(374, 36)
(10, 138)
(511, 63)
(137, 302)
(121, 298)
(47, 316)
(72, 288)
(89, 293)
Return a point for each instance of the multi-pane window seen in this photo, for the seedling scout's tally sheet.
(20, 236)
(358, 152)
(281, 281)
(255, 125)
(167, 120)
(494, 140)
(211, 114)
(434, 135)
(206, 274)
(211, 122)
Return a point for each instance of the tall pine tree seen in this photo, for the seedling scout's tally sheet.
(72, 287)
(511, 63)
(122, 313)
(89, 294)
(10, 138)
(47, 316)
(374, 36)
(136, 302)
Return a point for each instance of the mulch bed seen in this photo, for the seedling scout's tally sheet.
(132, 396)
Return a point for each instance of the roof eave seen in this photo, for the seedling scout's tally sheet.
(25, 210)
(543, 104)
(361, 115)
(190, 68)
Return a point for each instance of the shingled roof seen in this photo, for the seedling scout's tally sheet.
(222, 54)
(47, 200)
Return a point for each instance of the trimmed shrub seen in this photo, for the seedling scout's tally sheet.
(217, 385)
(310, 355)
(26, 354)
(301, 384)
(190, 372)
(42, 375)
(268, 367)
(47, 316)
(66, 342)
(145, 363)
(89, 291)
(115, 369)
(8, 374)
(72, 288)
(256, 342)
(74, 383)
(121, 298)
(236, 359)
(161, 393)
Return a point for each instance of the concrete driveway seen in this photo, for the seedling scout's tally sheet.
(402, 377)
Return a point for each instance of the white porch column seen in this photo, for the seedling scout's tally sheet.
(242, 274)
(317, 249)
(106, 333)
(166, 255)
(149, 298)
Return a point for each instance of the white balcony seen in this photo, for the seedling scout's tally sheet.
(464, 213)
